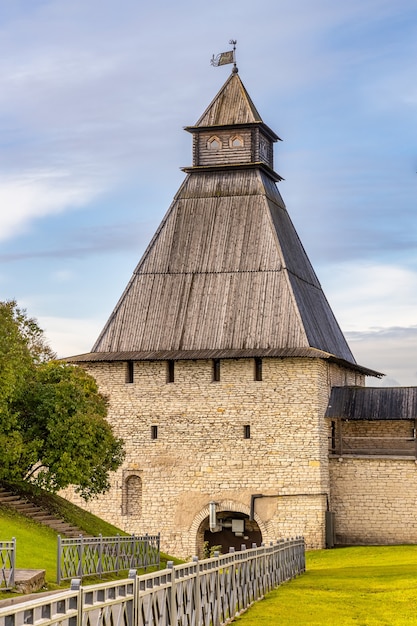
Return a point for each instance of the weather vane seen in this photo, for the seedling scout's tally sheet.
(226, 57)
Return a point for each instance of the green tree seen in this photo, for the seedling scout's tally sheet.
(53, 424)
(15, 365)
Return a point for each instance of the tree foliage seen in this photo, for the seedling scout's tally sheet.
(53, 428)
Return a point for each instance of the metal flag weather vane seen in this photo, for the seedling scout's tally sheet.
(226, 57)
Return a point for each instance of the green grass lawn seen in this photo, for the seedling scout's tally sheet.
(365, 586)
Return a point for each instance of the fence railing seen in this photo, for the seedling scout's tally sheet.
(371, 445)
(87, 556)
(200, 593)
(7, 563)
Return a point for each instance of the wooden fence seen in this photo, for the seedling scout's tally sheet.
(7, 564)
(87, 556)
(200, 593)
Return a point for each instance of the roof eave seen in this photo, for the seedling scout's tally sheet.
(194, 355)
(268, 131)
(227, 168)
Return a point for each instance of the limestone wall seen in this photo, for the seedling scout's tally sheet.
(200, 452)
(374, 500)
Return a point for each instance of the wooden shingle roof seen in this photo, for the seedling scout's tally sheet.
(225, 272)
(373, 403)
(231, 106)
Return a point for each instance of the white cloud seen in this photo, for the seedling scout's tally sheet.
(37, 194)
(63, 276)
(70, 336)
(368, 297)
(391, 351)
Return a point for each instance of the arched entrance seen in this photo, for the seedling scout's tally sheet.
(233, 528)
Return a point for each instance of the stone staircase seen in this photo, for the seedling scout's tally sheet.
(37, 513)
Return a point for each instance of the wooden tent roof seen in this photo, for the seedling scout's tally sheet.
(373, 403)
(232, 106)
(225, 272)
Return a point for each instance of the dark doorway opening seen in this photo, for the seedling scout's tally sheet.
(233, 530)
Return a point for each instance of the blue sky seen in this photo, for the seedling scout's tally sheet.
(93, 100)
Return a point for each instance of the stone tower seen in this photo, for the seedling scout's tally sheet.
(220, 356)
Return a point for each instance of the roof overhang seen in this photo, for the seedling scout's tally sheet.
(194, 355)
(235, 166)
(268, 131)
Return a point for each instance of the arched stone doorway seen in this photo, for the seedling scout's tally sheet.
(233, 528)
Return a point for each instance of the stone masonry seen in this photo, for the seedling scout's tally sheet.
(200, 453)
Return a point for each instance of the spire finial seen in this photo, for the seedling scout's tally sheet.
(226, 57)
(233, 42)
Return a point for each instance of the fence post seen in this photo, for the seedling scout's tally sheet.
(132, 560)
(173, 600)
(145, 552)
(58, 561)
(13, 562)
(76, 586)
(217, 617)
(100, 555)
(80, 557)
(133, 575)
(233, 592)
(197, 592)
(255, 588)
(117, 552)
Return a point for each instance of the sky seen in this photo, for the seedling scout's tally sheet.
(94, 96)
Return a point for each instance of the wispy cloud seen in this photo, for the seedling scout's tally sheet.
(72, 335)
(31, 195)
(391, 351)
(369, 297)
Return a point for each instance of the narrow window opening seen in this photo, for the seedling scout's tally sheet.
(246, 431)
(170, 371)
(154, 432)
(216, 370)
(258, 368)
(129, 371)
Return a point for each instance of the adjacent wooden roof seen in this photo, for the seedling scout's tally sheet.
(373, 403)
(225, 271)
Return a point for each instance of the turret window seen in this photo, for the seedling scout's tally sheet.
(214, 143)
(236, 141)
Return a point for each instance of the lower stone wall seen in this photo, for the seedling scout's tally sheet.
(374, 500)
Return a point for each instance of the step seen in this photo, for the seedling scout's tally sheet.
(38, 514)
(25, 506)
(9, 497)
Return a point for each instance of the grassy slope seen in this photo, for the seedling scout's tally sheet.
(90, 524)
(366, 586)
(36, 545)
